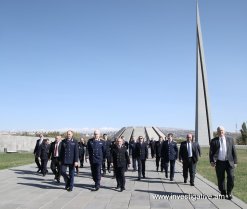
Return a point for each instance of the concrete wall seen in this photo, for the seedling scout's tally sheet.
(17, 143)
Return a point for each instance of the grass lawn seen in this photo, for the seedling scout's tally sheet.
(240, 187)
(9, 160)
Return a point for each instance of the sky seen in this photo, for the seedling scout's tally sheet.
(114, 63)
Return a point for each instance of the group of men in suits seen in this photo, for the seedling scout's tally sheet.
(65, 154)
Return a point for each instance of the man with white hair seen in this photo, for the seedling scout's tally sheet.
(96, 154)
(223, 157)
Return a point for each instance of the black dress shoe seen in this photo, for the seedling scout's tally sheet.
(139, 179)
(97, 188)
(185, 181)
(171, 179)
(166, 175)
(122, 189)
(69, 189)
(229, 196)
(192, 184)
(38, 170)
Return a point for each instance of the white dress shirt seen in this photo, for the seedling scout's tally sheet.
(222, 150)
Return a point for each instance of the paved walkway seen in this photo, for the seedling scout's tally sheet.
(22, 187)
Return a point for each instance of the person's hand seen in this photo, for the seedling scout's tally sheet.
(86, 160)
(180, 161)
(76, 164)
(212, 164)
(235, 165)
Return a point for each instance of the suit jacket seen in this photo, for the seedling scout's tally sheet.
(95, 151)
(81, 147)
(169, 151)
(120, 157)
(141, 151)
(36, 148)
(231, 155)
(183, 151)
(69, 153)
(52, 149)
(157, 148)
(43, 151)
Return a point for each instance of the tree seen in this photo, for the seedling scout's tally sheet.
(244, 133)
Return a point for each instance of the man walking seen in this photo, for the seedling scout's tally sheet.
(141, 153)
(54, 155)
(169, 152)
(223, 157)
(189, 153)
(96, 154)
(69, 159)
(35, 152)
(120, 161)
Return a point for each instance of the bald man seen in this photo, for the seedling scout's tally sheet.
(223, 157)
(69, 159)
(189, 153)
(96, 154)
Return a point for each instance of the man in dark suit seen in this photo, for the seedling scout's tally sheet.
(69, 159)
(169, 153)
(223, 157)
(151, 145)
(107, 160)
(82, 146)
(43, 153)
(96, 154)
(132, 146)
(35, 152)
(120, 158)
(157, 151)
(54, 155)
(141, 153)
(189, 153)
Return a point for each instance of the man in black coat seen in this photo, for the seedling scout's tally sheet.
(43, 153)
(96, 154)
(189, 153)
(132, 147)
(157, 151)
(35, 152)
(152, 145)
(54, 155)
(141, 153)
(223, 157)
(169, 153)
(69, 159)
(82, 146)
(107, 159)
(120, 158)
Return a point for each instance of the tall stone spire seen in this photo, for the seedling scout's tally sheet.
(203, 132)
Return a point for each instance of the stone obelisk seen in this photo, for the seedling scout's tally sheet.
(203, 132)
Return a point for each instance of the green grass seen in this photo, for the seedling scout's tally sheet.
(240, 187)
(9, 160)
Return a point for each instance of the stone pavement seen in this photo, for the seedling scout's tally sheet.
(22, 187)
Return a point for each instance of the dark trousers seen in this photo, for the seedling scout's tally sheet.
(108, 161)
(37, 162)
(221, 168)
(44, 166)
(141, 167)
(172, 167)
(95, 169)
(56, 168)
(120, 177)
(81, 160)
(158, 159)
(68, 179)
(134, 162)
(189, 165)
(152, 152)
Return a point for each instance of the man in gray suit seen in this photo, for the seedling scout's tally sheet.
(224, 158)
